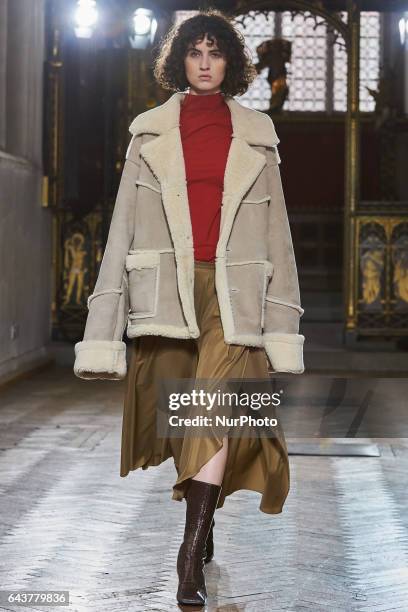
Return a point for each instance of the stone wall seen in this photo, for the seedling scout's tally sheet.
(25, 227)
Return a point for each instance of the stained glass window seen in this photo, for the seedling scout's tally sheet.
(370, 53)
(308, 67)
(179, 16)
(258, 28)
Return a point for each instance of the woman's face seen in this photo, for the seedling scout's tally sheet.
(205, 67)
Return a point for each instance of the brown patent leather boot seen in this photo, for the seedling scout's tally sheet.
(209, 545)
(201, 498)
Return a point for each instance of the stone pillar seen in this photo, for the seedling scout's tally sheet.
(25, 236)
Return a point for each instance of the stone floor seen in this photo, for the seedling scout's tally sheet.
(69, 522)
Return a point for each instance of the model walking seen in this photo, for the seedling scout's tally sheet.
(199, 268)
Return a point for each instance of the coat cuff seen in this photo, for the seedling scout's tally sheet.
(285, 352)
(100, 359)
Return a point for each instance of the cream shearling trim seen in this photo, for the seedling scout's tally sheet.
(172, 331)
(243, 168)
(143, 259)
(148, 185)
(247, 340)
(255, 127)
(268, 266)
(265, 198)
(275, 156)
(104, 359)
(224, 303)
(170, 173)
(268, 274)
(283, 337)
(244, 165)
(155, 329)
(147, 259)
(167, 250)
(285, 351)
(278, 301)
(104, 292)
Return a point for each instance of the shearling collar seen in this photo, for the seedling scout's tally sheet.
(255, 127)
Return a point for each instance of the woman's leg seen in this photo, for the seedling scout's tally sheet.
(201, 498)
(213, 470)
(204, 487)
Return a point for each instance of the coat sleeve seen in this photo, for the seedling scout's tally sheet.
(102, 352)
(283, 343)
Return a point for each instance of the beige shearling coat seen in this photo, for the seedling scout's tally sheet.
(146, 279)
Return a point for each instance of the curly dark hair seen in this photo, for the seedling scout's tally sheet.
(169, 64)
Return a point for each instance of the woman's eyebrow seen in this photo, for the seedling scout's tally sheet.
(199, 50)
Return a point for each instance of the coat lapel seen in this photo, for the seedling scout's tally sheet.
(244, 164)
(164, 156)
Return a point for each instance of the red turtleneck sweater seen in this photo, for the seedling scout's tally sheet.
(206, 129)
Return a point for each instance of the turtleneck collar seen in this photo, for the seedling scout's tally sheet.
(197, 102)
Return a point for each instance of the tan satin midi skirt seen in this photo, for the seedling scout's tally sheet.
(253, 463)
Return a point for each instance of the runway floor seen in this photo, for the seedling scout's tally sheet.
(69, 522)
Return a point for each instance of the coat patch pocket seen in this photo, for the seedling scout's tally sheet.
(143, 268)
(246, 284)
